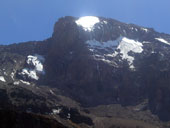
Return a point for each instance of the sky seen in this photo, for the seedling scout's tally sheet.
(33, 20)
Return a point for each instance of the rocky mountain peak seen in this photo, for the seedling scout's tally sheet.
(101, 29)
(88, 61)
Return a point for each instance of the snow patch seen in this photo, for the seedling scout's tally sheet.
(68, 116)
(105, 22)
(5, 74)
(144, 29)
(25, 82)
(122, 44)
(56, 111)
(146, 42)
(35, 61)
(16, 83)
(12, 75)
(87, 22)
(131, 28)
(163, 40)
(52, 92)
(105, 60)
(15, 61)
(2, 79)
(102, 45)
(113, 54)
(30, 73)
(126, 45)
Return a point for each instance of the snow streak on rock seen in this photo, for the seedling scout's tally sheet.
(25, 82)
(2, 79)
(163, 41)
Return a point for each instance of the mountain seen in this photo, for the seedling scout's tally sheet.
(92, 72)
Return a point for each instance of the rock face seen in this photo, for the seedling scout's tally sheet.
(92, 61)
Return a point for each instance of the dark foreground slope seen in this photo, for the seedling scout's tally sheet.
(90, 76)
(13, 119)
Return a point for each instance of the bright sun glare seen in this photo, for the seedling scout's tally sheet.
(87, 22)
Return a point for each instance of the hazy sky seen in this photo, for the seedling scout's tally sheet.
(26, 20)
